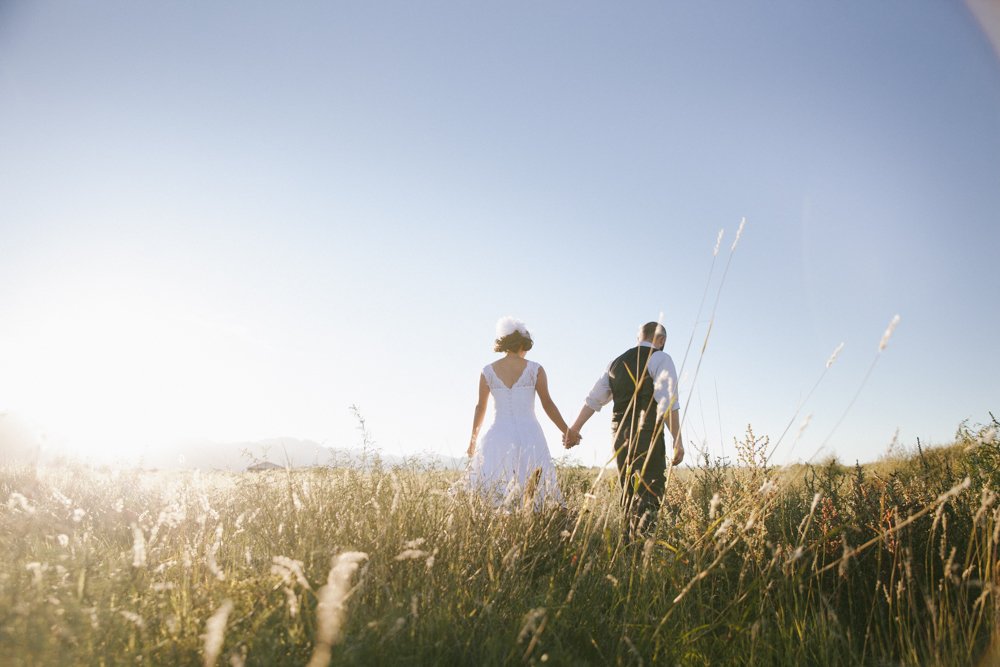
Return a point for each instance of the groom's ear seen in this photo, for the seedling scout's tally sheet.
(659, 341)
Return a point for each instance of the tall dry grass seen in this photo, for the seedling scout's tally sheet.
(892, 563)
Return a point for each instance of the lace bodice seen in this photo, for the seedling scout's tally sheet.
(515, 401)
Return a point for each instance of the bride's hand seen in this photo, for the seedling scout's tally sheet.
(571, 438)
(472, 448)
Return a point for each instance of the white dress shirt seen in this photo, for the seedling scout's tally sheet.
(661, 369)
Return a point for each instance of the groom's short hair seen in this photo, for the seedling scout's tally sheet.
(651, 330)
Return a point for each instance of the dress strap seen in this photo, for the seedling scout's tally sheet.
(533, 371)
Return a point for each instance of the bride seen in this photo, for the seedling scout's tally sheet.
(512, 459)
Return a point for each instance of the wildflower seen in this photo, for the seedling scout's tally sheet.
(78, 514)
(988, 436)
(888, 333)
(429, 564)
(718, 242)
(215, 628)
(413, 544)
(612, 579)
(331, 606)
(63, 540)
(411, 554)
(767, 488)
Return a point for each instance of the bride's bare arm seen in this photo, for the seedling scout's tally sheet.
(542, 387)
(477, 417)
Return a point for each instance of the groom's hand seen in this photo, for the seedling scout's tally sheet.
(571, 438)
(678, 454)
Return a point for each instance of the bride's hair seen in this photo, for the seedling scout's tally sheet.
(512, 335)
(513, 342)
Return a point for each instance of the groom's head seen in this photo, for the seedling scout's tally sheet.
(653, 332)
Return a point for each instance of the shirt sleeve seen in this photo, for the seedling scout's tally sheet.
(664, 383)
(600, 395)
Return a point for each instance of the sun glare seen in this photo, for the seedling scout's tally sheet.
(108, 378)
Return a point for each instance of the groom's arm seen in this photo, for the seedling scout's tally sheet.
(667, 401)
(586, 412)
(673, 420)
(599, 396)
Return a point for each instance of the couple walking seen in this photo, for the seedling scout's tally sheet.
(512, 457)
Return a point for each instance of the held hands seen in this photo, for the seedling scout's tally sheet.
(571, 438)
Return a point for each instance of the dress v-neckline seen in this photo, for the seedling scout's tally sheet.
(523, 371)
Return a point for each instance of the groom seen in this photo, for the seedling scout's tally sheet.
(642, 384)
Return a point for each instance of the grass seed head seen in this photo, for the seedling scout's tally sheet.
(834, 355)
(888, 333)
(330, 610)
(215, 632)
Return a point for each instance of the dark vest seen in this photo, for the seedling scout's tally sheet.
(625, 373)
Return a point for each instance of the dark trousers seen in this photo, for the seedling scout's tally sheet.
(642, 473)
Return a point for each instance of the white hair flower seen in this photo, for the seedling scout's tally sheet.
(508, 325)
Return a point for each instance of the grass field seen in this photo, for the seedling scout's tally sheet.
(890, 563)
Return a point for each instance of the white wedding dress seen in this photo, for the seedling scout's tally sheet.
(513, 448)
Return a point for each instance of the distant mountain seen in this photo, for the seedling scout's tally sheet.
(19, 445)
(279, 452)
(208, 455)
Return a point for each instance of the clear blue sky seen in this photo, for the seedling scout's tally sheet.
(234, 221)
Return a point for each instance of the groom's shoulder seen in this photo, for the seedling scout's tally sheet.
(662, 356)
